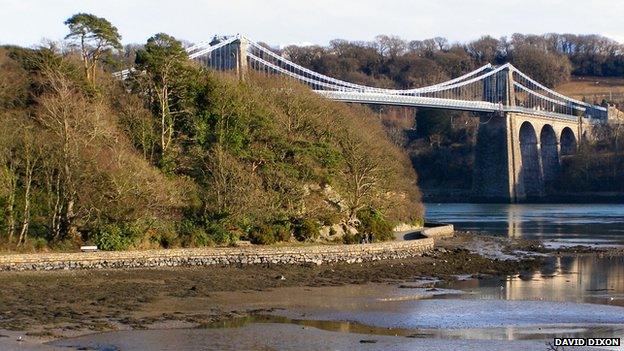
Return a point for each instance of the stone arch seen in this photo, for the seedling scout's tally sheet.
(531, 169)
(568, 141)
(548, 153)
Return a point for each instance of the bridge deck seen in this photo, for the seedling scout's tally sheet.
(428, 102)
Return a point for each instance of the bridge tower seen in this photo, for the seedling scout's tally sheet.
(242, 66)
(496, 169)
(517, 153)
(492, 178)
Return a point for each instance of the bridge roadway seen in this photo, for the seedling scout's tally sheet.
(447, 104)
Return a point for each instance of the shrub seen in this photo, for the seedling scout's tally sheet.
(349, 238)
(157, 233)
(372, 223)
(270, 234)
(419, 222)
(306, 230)
(193, 235)
(31, 244)
(113, 237)
(199, 229)
(39, 243)
(166, 239)
(64, 245)
(282, 232)
(220, 235)
(262, 235)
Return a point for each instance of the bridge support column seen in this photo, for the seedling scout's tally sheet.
(509, 160)
(496, 167)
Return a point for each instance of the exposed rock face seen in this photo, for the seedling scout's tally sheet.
(334, 231)
(326, 198)
(334, 198)
(614, 115)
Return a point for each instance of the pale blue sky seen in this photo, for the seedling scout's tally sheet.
(281, 22)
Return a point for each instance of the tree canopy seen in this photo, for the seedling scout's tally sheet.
(178, 156)
(94, 36)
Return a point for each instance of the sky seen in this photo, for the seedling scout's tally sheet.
(282, 22)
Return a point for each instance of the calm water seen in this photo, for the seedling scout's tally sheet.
(567, 224)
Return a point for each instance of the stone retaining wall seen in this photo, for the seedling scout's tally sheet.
(438, 230)
(318, 254)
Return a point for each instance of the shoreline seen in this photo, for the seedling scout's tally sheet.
(49, 305)
(444, 261)
(410, 244)
(198, 257)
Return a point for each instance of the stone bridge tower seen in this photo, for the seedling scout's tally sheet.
(242, 65)
(517, 155)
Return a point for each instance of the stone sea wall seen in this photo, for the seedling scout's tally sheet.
(318, 254)
(438, 230)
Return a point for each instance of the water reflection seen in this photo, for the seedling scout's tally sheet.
(497, 333)
(570, 224)
(587, 279)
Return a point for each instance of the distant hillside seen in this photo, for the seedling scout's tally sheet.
(594, 89)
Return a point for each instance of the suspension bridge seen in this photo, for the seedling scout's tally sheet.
(527, 127)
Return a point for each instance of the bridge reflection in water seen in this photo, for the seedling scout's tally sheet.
(583, 279)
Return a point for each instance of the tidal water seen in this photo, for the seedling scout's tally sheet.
(556, 224)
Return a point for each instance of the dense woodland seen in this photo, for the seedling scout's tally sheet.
(178, 156)
(393, 62)
(598, 166)
(441, 143)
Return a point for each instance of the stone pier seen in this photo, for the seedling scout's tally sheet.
(517, 154)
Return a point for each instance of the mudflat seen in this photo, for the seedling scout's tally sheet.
(48, 305)
(100, 299)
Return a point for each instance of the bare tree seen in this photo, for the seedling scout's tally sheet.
(31, 156)
(63, 112)
(362, 172)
